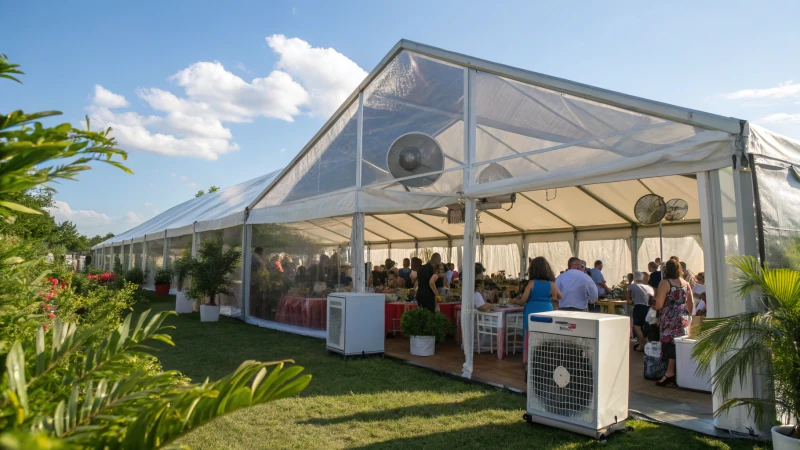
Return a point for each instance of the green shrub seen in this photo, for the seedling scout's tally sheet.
(163, 275)
(421, 322)
(135, 276)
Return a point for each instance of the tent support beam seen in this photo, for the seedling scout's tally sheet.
(505, 222)
(394, 227)
(429, 225)
(605, 204)
(330, 231)
(522, 194)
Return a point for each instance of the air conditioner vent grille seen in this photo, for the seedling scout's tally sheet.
(561, 376)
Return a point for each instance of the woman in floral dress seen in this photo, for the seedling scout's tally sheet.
(674, 300)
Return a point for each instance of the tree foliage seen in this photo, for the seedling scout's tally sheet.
(75, 374)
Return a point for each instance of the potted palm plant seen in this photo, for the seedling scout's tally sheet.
(181, 267)
(424, 328)
(162, 280)
(768, 339)
(209, 274)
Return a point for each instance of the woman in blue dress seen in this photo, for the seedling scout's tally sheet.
(540, 293)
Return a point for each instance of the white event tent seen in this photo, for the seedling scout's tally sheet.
(579, 157)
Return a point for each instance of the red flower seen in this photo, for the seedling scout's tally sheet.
(44, 325)
(52, 316)
(43, 304)
(47, 308)
(49, 296)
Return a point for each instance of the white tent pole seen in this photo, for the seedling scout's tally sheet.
(523, 260)
(246, 258)
(634, 243)
(165, 254)
(467, 274)
(359, 279)
(144, 256)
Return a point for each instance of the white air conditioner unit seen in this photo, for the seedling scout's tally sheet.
(578, 371)
(355, 323)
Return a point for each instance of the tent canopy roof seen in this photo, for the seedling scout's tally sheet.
(214, 210)
(578, 157)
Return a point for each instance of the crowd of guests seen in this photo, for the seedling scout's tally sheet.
(670, 289)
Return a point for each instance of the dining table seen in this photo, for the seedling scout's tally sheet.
(501, 332)
(609, 306)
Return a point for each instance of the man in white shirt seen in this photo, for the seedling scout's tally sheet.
(699, 291)
(449, 274)
(577, 289)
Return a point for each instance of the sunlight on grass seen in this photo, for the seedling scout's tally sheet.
(373, 403)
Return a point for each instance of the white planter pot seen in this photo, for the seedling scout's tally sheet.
(173, 291)
(781, 440)
(209, 313)
(423, 345)
(182, 304)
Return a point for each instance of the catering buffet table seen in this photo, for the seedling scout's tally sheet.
(303, 312)
(392, 314)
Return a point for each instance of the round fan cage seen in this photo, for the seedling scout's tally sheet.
(650, 209)
(415, 154)
(676, 209)
(554, 356)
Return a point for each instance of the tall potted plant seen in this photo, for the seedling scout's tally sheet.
(425, 328)
(181, 266)
(768, 339)
(209, 274)
(162, 280)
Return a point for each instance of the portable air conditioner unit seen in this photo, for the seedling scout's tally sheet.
(355, 323)
(578, 371)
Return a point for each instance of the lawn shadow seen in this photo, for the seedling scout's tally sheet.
(526, 436)
(432, 410)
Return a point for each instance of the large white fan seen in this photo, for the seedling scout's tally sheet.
(415, 154)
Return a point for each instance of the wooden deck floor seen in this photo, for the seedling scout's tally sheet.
(510, 372)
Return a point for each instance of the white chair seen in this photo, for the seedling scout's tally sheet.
(489, 326)
(514, 336)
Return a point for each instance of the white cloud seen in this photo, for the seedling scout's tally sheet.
(781, 118)
(133, 218)
(155, 211)
(91, 222)
(783, 90)
(294, 11)
(172, 174)
(147, 204)
(107, 99)
(192, 185)
(283, 150)
(307, 80)
(62, 212)
(184, 178)
(327, 75)
(240, 66)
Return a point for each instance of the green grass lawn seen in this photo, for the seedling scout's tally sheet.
(371, 403)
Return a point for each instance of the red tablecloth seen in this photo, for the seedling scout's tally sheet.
(392, 314)
(501, 335)
(303, 312)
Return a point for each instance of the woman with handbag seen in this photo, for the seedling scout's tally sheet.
(674, 300)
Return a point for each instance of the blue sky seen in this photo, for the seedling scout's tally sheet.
(201, 82)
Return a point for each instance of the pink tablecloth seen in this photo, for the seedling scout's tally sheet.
(501, 333)
(303, 312)
(392, 314)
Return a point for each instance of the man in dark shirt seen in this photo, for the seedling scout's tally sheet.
(655, 275)
(427, 276)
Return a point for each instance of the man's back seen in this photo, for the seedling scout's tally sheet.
(577, 289)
